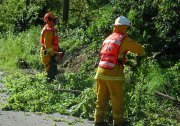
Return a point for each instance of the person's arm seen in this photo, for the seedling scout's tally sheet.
(48, 38)
(133, 46)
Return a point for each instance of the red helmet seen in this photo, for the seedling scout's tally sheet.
(48, 16)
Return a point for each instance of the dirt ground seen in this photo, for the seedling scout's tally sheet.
(12, 118)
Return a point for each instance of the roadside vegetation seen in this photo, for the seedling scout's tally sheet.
(152, 86)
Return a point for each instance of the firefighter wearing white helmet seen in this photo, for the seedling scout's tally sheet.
(110, 76)
(122, 21)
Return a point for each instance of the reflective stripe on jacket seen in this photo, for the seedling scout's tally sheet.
(55, 40)
(110, 49)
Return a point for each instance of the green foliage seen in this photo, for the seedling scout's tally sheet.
(167, 21)
(154, 24)
(32, 93)
(73, 44)
(141, 99)
(17, 15)
(23, 46)
(78, 81)
(84, 101)
(142, 107)
(172, 84)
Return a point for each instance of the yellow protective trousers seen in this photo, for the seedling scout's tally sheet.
(46, 62)
(50, 66)
(106, 90)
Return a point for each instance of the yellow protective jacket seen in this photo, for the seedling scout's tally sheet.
(116, 73)
(47, 52)
(48, 37)
(54, 41)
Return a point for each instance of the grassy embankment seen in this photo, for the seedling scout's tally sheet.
(29, 92)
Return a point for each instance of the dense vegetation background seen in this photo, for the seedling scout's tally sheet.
(155, 24)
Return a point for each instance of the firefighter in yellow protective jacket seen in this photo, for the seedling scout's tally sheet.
(50, 51)
(109, 75)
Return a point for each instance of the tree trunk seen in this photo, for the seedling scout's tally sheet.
(65, 10)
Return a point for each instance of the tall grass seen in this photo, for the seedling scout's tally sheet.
(24, 46)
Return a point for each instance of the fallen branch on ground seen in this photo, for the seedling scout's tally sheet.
(167, 97)
(67, 90)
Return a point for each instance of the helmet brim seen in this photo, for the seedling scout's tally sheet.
(121, 25)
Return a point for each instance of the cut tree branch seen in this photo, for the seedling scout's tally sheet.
(67, 91)
(167, 97)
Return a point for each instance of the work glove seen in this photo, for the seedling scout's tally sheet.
(130, 63)
(61, 50)
(134, 66)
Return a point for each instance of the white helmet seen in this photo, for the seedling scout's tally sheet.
(122, 21)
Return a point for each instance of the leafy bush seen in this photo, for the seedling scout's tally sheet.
(19, 15)
(140, 100)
